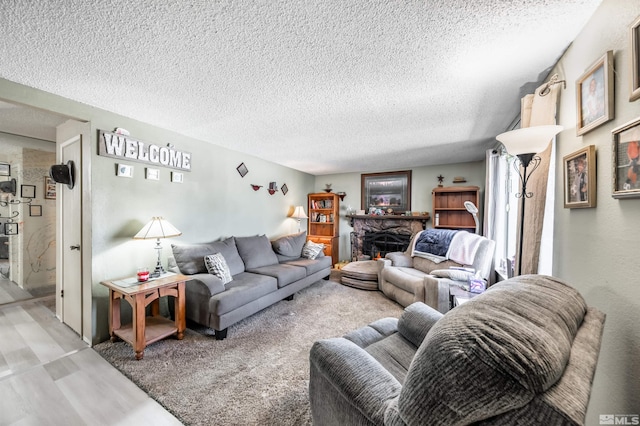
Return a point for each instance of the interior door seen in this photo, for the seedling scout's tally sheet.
(70, 237)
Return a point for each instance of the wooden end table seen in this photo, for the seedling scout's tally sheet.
(144, 330)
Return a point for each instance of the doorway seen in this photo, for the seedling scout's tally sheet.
(27, 151)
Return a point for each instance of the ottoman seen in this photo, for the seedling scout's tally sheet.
(362, 275)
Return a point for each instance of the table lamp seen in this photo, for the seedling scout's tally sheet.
(299, 213)
(157, 228)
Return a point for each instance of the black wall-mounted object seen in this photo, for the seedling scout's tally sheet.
(64, 173)
(9, 186)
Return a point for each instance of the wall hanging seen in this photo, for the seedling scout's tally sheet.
(126, 148)
(124, 170)
(5, 169)
(626, 160)
(580, 178)
(242, 169)
(27, 191)
(594, 95)
(64, 173)
(49, 188)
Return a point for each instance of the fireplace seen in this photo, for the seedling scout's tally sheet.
(374, 243)
(382, 234)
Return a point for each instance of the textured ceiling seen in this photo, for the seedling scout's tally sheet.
(321, 86)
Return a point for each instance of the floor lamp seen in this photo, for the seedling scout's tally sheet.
(525, 144)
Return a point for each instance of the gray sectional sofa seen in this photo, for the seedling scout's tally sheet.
(263, 272)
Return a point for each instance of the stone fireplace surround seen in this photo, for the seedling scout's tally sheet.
(389, 233)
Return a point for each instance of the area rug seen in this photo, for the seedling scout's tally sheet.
(258, 375)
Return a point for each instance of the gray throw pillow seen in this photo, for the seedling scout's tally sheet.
(190, 257)
(311, 250)
(290, 245)
(229, 250)
(256, 251)
(216, 265)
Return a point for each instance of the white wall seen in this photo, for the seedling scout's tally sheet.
(597, 249)
(423, 180)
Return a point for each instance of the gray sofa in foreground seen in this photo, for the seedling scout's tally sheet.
(262, 272)
(522, 353)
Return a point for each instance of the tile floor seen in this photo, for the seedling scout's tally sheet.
(49, 376)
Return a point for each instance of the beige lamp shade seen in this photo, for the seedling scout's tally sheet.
(158, 227)
(299, 213)
(528, 140)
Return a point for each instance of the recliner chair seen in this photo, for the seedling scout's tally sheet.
(408, 279)
(524, 352)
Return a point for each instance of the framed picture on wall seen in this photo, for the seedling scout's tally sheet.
(626, 162)
(594, 95)
(49, 188)
(635, 60)
(28, 191)
(580, 178)
(11, 228)
(5, 169)
(390, 190)
(35, 210)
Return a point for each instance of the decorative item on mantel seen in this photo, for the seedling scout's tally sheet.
(255, 187)
(440, 180)
(273, 188)
(328, 187)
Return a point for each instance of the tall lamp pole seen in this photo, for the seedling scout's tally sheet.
(525, 143)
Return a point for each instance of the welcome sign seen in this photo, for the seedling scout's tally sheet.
(122, 146)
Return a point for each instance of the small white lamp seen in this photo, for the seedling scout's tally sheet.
(157, 228)
(299, 213)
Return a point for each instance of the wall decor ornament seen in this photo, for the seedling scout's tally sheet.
(5, 169)
(152, 174)
(594, 95)
(124, 147)
(386, 190)
(177, 177)
(49, 188)
(635, 60)
(242, 170)
(35, 210)
(284, 188)
(273, 188)
(580, 178)
(27, 191)
(255, 187)
(626, 161)
(11, 228)
(124, 170)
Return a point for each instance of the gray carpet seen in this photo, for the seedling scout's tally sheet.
(259, 375)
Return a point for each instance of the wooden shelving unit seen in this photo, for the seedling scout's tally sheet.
(448, 207)
(324, 220)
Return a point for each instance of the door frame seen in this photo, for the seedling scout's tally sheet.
(65, 133)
